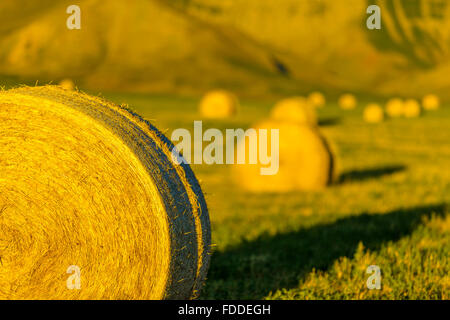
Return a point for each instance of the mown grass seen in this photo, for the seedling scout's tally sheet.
(389, 207)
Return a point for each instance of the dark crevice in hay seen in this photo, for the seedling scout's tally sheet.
(255, 268)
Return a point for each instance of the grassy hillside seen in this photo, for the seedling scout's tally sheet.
(134, 45)
(254, 47)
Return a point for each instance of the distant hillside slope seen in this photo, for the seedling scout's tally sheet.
(134, 45)
(409, 56)
(250, 46)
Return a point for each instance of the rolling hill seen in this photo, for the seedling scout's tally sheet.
(254, 47)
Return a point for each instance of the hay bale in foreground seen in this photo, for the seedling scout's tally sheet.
(296, 110)
(67, 84)
(87, 183)
(306, 162)
(347, 102)
(219, 104)
(394, 108)
(373, 113)
(431, 102)
(317, 99)
(412, 109)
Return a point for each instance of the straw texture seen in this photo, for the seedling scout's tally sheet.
(85, 182)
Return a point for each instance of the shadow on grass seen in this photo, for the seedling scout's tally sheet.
(254, 269)
(373, 173)
(328, 122)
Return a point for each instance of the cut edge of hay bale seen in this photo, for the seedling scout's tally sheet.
(154, 151)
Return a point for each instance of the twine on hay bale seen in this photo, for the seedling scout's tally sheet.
(431, 102)
(394, 107)
(306, 162)
(412, 109)
(67, 84)
(347, 102)
(317, 99)
(88, 183)
(373, 113)
(295, 109)
(219, 104)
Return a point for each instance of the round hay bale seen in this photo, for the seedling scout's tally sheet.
(306, 162)
(219, 104)
(90, 184)
(373, 113)
(412, 109)
(431, 102)
(347, 102)
(67, 84)
(317, 99)
(394, 107)
(295, 109)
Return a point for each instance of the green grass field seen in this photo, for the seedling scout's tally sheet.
(390, 207)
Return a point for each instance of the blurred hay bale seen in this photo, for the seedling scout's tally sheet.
(88, 183)
(67, 84)
(373, 113)
(219, 104)
(412, 109)
(317, 99)
(431, 102)
(347, 102)
(306, 162)
(295, 109)
(394, 107)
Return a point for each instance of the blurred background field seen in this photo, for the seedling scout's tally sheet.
(390, 204)
(389, 207)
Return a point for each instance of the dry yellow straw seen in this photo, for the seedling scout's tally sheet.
(87, 183)
(219, 104)
(347, 102)
(373, 113)
(295, 109)
(306, 162)
(317, 99)
(431, 102)
(67, 84)
(412, 109)
(394, 107)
